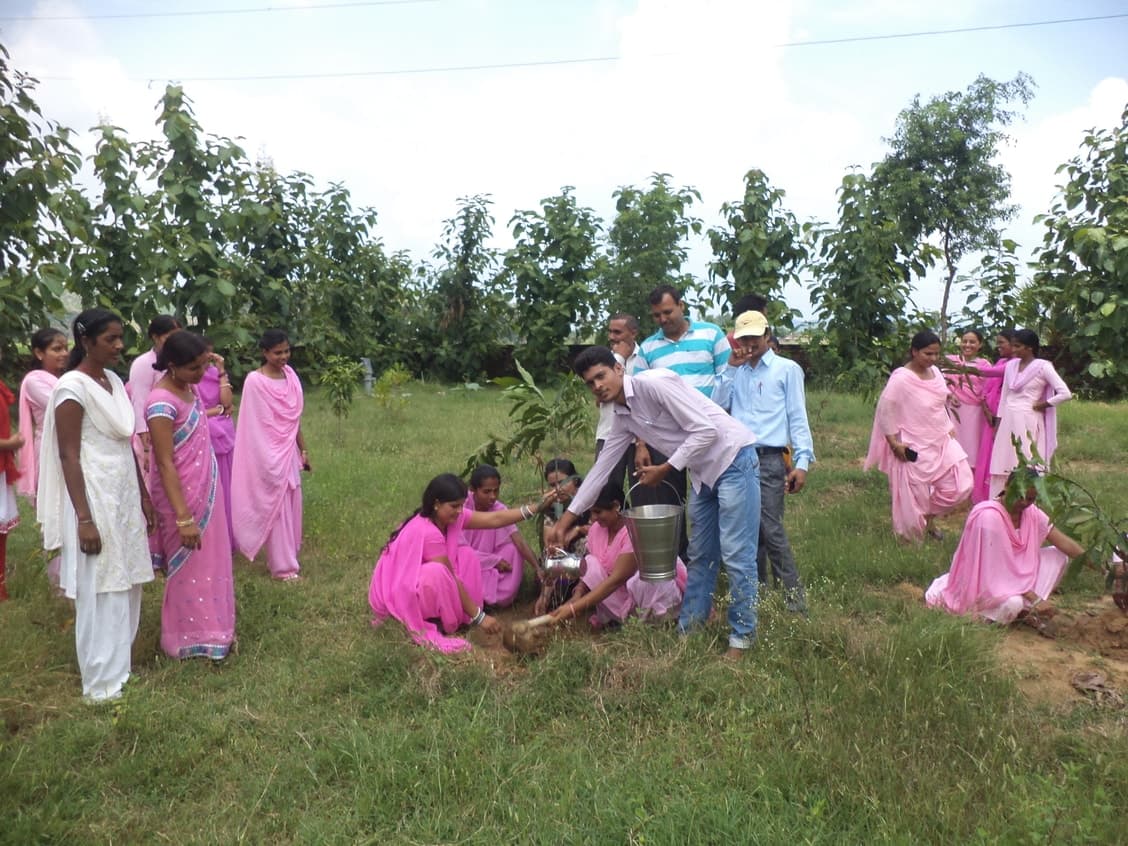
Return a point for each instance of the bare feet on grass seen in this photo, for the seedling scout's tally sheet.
(734, 654)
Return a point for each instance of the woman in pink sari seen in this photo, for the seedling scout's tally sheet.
(215, 393)
(967, 403)
(914, 444)
(270, 453)
(1031, 392)
(610, 589)
(426, 578)
(502, 552)
(1001, 572)
(191, 543)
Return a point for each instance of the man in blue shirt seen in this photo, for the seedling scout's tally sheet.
(764, 391)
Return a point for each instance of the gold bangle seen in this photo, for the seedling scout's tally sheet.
(185, 523)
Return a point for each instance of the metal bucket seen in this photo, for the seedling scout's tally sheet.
(655, 532)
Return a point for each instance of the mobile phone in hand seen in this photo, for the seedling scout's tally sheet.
(910, 454)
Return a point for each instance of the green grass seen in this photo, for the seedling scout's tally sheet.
(875, 721)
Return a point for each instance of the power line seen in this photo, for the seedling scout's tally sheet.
(589, 59)
(207, 12)
(985, 28)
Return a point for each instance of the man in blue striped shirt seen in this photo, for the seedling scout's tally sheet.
(695, 350)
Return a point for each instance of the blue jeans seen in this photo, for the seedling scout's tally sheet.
(725, 525)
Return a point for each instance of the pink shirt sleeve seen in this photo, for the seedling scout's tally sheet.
(142, 377)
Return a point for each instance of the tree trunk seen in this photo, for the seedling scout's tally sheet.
(947, 290)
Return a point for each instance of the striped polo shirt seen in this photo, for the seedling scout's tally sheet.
(698, 356)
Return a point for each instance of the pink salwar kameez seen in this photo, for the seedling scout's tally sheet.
(198, 612)
(421, 592)
(266, 491)
(996, 565)
(652, 601)
(1017, 417)
(992, 391)
(494, 547)
(221, 427)
(915, 411)
(968, 415)
(35, 394)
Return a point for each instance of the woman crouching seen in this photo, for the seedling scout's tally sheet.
(427, 578)
(611, 589)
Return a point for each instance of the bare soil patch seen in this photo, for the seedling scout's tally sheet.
(1090, 639)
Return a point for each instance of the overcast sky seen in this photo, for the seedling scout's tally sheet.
(366, 93)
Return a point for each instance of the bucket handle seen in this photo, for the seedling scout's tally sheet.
(681, 501)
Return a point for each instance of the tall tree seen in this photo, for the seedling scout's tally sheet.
(760, 249)
(463, 319)
(552, 266)
(42, 215)
(1082, 272)
(201, 180)
(647, 243)
(121, 262)
(863, 279)
(941, 178)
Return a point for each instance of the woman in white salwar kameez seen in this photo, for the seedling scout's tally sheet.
(93, 505)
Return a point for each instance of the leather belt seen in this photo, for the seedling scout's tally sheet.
(769, 450)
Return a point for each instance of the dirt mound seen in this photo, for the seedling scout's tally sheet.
(1104, 631)
(1088, 640)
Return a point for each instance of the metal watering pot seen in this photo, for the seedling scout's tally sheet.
(561, 563)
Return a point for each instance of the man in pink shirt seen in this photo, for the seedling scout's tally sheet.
(724, 506)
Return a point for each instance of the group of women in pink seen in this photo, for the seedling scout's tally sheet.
(128, 481)
(460, 553)
(942, 439)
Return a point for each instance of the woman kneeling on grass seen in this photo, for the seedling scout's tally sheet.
(1001, 572)
(426, 578)
(501, 552)
(611, 586)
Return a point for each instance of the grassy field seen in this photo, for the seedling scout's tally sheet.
(876, 720)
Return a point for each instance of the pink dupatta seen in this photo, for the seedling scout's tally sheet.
(604, 551)
(994, 561)
(1018, 379)
(916, 411)
(35, 391)
(267, 458)
(393, 591)
(992, 381)
(220, 427)
(199, 477)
